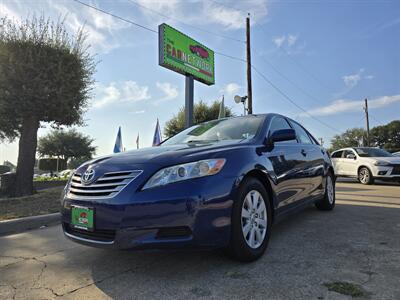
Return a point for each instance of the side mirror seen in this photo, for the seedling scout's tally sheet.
(351, 156)
(282, 135)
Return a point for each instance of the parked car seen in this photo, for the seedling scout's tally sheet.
(220, 184)
(366, 164)
(396, 154)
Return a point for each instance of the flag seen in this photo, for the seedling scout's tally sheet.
(118, 142)
(137, 141)
(157, 135)
(221, 109)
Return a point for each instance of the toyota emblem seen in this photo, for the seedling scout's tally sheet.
(88, 176)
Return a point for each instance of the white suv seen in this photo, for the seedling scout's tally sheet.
(366, 164)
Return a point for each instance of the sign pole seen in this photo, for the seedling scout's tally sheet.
(248, 56)
(189, 89)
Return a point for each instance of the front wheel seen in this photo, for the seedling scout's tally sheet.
(328, 202)
(365, 176)
(251, 221)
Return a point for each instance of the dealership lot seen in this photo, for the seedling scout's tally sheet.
(358, 243)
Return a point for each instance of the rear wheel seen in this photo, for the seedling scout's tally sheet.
(328, 202)
(251, 221)
(365, 176)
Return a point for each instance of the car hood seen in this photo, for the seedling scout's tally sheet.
(390, 160)
(162, 155)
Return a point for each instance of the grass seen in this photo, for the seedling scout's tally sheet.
(346, 288)
(44, 202)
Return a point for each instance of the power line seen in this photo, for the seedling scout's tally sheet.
(290, 100)
(149, 29)
(186, 24)
(299, 65)
(115, 16)
(288, 79)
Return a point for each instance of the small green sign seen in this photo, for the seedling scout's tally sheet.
(82, 217)
(184, 55)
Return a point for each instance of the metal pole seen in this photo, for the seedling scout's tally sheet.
(189, 87)
(367, 119)
(248, 53)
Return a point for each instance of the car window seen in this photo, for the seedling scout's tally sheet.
(301, 134)
(348, 152)
(337, 154)
(279, 123)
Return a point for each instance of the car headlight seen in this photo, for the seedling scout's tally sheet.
(381, 163)
(187, 171)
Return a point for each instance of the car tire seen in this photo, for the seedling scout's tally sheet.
(365, 176)
(328, 202)
(251, 221)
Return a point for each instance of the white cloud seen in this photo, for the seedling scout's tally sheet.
(170, 91)
(230, 89)
(114, 93)
(369, 77)
(8, 12)
(345, 105)
(279, 41)
(352, 80)
(289, 41)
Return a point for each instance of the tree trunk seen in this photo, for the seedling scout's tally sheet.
(26, 157)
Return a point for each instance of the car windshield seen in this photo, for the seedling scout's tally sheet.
(372, 152)
(217, 130)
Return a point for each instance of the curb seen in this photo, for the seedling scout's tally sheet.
(28, 223)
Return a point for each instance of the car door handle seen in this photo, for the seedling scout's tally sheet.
(304, 152)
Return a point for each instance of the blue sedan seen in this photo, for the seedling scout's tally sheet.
(219, 184)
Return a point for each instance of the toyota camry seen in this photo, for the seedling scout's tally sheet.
(219, 184)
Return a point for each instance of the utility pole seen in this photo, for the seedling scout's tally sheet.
(321, 141)
(367, 119)
(248, 54)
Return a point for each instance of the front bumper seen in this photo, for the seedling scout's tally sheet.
(386, 172)
(195, 213)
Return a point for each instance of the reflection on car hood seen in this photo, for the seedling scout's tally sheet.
(390, 160)
(168, 154)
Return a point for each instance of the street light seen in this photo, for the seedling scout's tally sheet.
(240, 99)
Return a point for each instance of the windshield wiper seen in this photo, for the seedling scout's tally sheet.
(201, 141)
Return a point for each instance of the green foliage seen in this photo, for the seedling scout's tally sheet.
(50, 164)
(351, 138)
(74, 163)
(45, 76)
(44, 73)
(67, 145)
(387, 136)
(202, 113)
(55, 178)
(4, 169)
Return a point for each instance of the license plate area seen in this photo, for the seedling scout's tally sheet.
(82, 217)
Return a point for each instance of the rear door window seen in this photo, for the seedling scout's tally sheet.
(301, 134)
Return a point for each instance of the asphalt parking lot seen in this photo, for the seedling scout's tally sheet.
(358, 243)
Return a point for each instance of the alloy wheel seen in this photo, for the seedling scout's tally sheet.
(364, 175)
(329, 189)
(254, 219)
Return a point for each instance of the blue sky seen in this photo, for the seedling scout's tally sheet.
(327, 56)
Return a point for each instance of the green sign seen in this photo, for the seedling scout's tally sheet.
(184, 55)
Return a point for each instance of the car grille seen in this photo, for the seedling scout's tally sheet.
(106, 186)
(102, 235)
(396, 170)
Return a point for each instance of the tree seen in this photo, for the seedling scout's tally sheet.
(66, 145)
(202, 113)
(45, 76)
(351, 138)
(386, 136)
